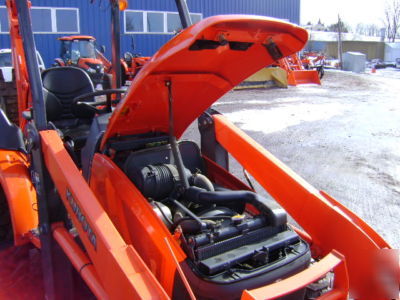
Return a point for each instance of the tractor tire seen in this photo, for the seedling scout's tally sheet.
(107, 82)
(321, 71)
(21, 273)
(8, 100)
(124, 76)
(6, 231)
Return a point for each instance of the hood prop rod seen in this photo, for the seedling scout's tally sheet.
(178, 157)
(172, 139)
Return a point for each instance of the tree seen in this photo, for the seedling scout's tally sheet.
(368, 29)
(392, 19)
(361, 29)
(335, 27)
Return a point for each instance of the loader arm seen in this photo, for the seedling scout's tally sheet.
(119, 267)
(18, 56)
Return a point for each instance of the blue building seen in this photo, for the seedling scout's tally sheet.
(148, 24)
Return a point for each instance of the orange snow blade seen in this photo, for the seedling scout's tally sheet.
(303, 77)
(202, 63)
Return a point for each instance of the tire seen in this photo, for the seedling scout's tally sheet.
(8, 100)
(6, 231)
(107, 81)
(321, 71)
(3, 105)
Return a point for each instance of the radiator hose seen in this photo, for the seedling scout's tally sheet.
(276, 217)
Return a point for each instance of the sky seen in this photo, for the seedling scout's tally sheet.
(351, 12)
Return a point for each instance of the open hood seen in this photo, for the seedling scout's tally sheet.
(202, 63)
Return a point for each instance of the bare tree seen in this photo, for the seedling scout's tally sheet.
(361, 29)
(392, 19)
(367, 29)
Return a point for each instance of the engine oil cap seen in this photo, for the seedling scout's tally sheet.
(237, 219)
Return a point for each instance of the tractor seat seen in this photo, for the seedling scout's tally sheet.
(60, 86)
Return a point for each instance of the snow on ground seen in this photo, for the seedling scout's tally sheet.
(333, 37)
(284, 116)
(343, 137)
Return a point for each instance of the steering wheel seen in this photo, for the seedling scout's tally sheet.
(92, 106)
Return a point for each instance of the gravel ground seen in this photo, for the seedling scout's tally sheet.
(343, 137)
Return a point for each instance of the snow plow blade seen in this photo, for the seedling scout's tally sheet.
(303, 77)
(265, 78)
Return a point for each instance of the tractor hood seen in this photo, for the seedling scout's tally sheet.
(202, 63)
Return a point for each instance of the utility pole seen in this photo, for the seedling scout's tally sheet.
(340, 48)
(184, 13)
(116, 44)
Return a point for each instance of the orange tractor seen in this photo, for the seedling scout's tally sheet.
(297, 72)
(80, 51)
(131, 64)
(314, 61)
(109, 189)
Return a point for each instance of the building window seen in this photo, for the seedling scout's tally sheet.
(196, 18)
(67, 20)
(55, 20)
(134, 21)
(173, 22)
(3, 20)
(41, 20)
(157, 22)
(47, 20)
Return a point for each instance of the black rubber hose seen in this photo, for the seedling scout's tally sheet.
(202, 181)
(197, 195)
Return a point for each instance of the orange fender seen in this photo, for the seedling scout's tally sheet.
(20, 194)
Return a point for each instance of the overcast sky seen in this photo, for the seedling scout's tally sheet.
(352, 12)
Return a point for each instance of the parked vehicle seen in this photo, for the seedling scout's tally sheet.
(297, 73)
(80, 51)
(130, 64)
(378, 63)
(8, 92)
(314, 60)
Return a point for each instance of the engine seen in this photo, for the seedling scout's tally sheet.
(229, 249)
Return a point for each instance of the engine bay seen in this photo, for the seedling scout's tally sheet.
(224, 240)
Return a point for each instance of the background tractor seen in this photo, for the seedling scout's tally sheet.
(130, 64)
(80, 51)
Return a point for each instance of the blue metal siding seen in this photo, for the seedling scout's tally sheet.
(95, 20)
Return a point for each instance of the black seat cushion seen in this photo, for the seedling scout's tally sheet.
(61, 86)
(54, 108)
